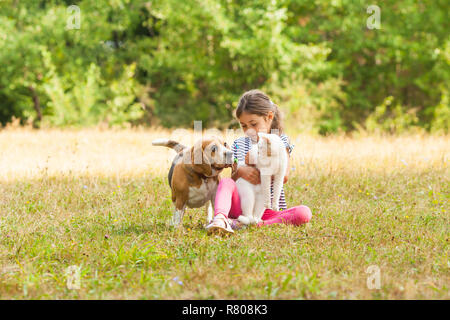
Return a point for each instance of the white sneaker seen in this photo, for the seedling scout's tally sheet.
(219, 225)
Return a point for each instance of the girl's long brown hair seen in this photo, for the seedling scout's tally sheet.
(257, 102)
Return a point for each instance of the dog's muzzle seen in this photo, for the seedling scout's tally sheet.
(228, 159)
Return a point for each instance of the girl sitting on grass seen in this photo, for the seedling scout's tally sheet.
(256, 113)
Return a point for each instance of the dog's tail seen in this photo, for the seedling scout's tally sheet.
(178, 147)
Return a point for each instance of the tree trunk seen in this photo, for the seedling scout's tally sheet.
(37, 104)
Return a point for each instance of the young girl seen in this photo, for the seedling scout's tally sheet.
(256, 113)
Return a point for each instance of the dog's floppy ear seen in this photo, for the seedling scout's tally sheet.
(269, 145)
(196, 153)
(200, 163)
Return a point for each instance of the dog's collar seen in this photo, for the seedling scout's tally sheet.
(204, 176)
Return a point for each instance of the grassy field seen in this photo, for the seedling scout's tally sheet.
(99, 200)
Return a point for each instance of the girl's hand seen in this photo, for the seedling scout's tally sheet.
(246, 160)
(250, 174)
(233, 167)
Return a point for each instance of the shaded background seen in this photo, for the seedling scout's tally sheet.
(171, 62)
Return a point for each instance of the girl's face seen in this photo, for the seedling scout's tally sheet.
(253, 123)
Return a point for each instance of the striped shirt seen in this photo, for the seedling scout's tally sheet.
(240, 148)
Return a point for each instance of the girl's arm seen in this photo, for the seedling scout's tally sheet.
(288, 169)
(234, 172)
(289, 148)
(249, 173)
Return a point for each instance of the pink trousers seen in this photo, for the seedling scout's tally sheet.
(228, 203)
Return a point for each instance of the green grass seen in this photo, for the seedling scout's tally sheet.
(120, 238)
(388, 208)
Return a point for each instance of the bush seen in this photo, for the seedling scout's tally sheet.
(170, 62)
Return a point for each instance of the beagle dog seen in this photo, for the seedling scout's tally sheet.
(194, 174)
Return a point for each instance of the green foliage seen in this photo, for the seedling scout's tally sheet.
(441, 115)
(395, 121)
(173, 62)
(88, 101)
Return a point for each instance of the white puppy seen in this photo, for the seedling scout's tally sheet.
(270, 157)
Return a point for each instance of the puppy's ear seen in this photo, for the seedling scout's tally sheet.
(269, 146)
(196, 154)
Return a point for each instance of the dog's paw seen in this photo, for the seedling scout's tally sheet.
(244, 220)
(255, 220)
(175, 223)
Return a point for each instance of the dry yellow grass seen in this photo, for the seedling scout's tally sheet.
(99, 199)
(32, 153)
